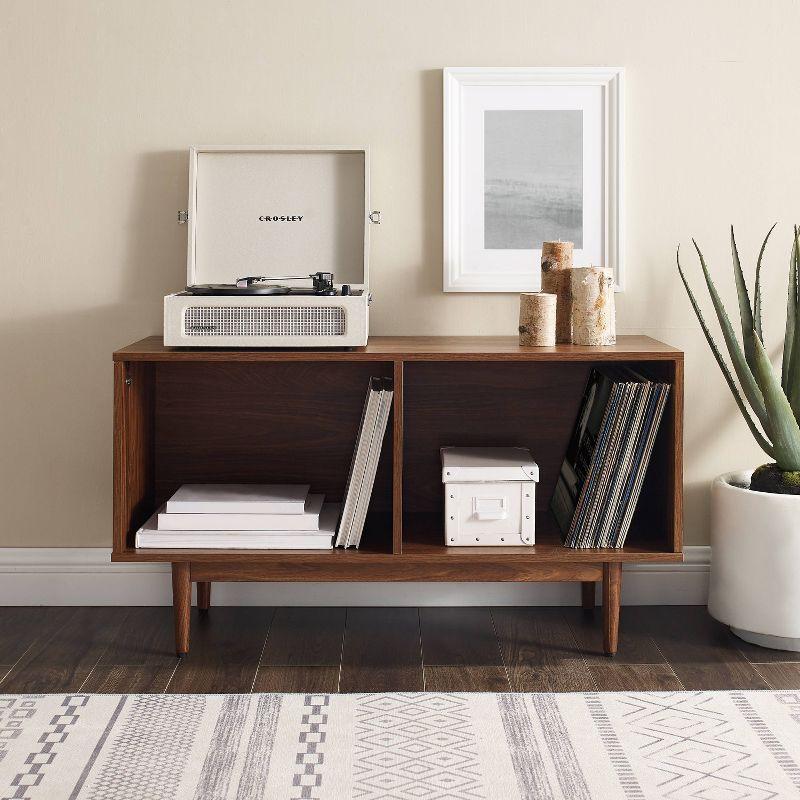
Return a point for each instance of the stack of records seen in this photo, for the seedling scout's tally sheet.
(607, 457)
(249, 516)
(365, 461)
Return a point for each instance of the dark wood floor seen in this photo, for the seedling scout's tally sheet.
(379, 649)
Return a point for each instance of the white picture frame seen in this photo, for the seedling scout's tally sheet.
(479, 152)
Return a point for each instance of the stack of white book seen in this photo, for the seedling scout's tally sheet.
(249, 516)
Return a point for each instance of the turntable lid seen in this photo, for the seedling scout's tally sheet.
(278, 211)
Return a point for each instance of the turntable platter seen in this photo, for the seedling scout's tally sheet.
(231, 289)
(322, 285)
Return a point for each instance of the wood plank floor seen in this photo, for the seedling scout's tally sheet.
(662, 648)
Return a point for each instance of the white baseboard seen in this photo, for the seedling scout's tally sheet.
(62, 576)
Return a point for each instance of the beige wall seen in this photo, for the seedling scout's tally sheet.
(100, 101)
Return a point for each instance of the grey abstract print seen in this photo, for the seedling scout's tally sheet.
(438, 746)
(533, 178)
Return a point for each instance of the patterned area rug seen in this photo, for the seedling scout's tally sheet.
(700, 745)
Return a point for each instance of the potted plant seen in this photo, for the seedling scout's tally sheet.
(755, 520)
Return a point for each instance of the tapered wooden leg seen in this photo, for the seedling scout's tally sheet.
(612, 589)
(587, 595)
(182, 605)
(203, 595)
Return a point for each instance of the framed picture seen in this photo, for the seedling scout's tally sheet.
(530, 155)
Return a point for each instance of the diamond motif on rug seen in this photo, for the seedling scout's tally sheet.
(435, 734)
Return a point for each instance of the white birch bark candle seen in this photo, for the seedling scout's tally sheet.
(556, 266)
(593, 306)
(537, 319)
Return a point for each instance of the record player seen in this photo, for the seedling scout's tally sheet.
(278, 249)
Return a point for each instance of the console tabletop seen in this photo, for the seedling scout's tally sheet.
(414, 348)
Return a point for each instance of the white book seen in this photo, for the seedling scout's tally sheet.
(238, 498)
(358, 464)
(307, 521)
(150, 536)
(376, 446)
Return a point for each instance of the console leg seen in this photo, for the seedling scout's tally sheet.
(587, 595)
(612, 586)
(181, 604)
(204, 596)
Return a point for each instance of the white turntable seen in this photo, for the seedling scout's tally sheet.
(278, 249)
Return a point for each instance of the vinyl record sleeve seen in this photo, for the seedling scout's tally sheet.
(358, 464)
(577, 464)
(365, 495)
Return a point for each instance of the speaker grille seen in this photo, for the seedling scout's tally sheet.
(264, 321)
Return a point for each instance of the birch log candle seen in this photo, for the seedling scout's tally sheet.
(593, 306)
(537, 319)
(556, 266)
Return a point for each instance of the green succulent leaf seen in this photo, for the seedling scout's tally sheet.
(757, 434)
(791, 313)
(748, 382)
(792, 388)
(757, 291)
(745, 310)
(785, 430)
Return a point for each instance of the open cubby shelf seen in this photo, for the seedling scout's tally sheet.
(271, 416)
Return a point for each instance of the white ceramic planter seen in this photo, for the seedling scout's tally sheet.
(755, 562)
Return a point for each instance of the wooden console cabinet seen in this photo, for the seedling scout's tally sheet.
(266, 416)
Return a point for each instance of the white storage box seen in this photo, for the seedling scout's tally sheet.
(490, 496)
(271, 212)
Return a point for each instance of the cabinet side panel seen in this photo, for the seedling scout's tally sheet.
(397, 459)
(134, 406)
(676, 448)
(120, 499)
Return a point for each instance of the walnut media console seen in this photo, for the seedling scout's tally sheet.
(291, 416)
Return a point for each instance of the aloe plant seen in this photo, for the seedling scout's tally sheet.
(770, 403)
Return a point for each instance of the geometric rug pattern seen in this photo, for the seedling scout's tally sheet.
(436, 746)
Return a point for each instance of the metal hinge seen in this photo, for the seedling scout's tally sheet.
(183, 217)
(375, 217)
